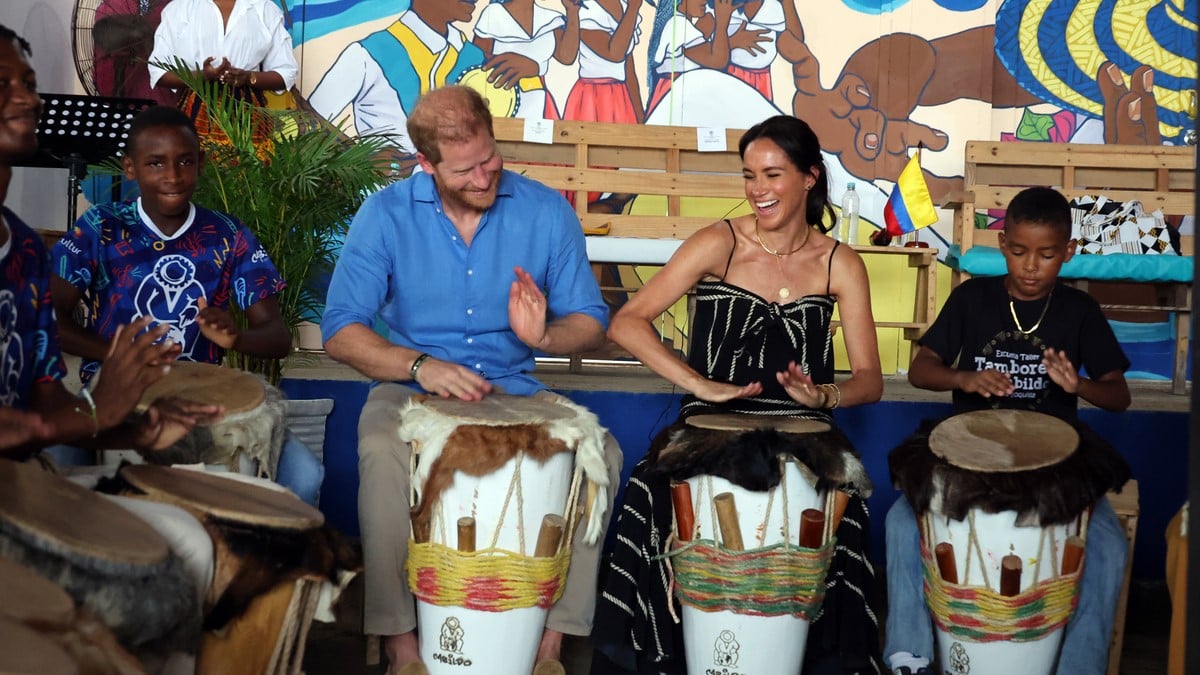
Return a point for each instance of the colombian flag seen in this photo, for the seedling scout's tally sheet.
(910, 207)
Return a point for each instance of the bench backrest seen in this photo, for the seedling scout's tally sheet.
(1160, 177)
(631, 159)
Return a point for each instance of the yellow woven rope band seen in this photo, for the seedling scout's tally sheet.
(979, 614)
(771, 581)
(492, 580)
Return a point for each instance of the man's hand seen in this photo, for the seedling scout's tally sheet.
(450, 380)
(800, 386)
(987, 383)
(527, 310)
(18, 427)
(1060, 369)
(132, 365)
(217, 325)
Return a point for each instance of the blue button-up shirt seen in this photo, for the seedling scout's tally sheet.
(404, 261)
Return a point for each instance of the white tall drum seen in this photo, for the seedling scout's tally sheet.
(506, 463)
(727, 641)
(991, 550)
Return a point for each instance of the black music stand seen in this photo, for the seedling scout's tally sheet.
(76, 131)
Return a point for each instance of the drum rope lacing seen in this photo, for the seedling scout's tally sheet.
(780, 579)
(980, 614)
(494, 579)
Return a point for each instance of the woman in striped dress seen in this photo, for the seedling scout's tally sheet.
(766, 286)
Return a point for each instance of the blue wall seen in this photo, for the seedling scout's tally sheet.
(1155, 443)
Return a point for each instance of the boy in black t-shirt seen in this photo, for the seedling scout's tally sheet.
(1014, 342)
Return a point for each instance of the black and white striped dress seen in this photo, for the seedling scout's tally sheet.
(738, 337)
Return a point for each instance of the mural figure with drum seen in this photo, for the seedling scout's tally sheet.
(1004, 530)
(768, 522)
(381, 76)
(472, 269)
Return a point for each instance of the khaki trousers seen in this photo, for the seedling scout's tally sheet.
(383, 506)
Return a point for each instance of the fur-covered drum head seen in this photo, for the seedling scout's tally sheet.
(248, 439)
(732, 422)
(223, 498)
(207, 383)
(24, 650)
(1003, 440)
(107, 559)
(499, 410)
(67, 519)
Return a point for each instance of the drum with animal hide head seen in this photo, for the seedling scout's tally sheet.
(754, 534)
(506, 463)
(271, 552)
(108, 560)
(34, 601)
(1002, 499)
(247, 440)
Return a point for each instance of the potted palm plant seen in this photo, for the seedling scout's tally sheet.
(297, 193)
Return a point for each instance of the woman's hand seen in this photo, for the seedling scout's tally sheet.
(214, 73)
(718, 392)
(800, 386)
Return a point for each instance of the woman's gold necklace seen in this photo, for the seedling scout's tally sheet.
(784, 292)
(1013, 310)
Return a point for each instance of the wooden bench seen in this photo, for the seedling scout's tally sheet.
(1159, 177)
(666, 190)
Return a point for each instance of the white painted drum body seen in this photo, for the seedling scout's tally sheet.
(727, 642)
(460, 640)
(1041, 553)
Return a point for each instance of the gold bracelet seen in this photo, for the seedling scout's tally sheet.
(837, 392)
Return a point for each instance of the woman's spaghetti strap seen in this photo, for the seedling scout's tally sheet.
(829, 271)
(731, 249)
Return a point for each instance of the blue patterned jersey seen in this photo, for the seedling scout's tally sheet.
(127, 269)
(29, 351)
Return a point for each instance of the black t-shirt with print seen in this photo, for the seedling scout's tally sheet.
(975, 331)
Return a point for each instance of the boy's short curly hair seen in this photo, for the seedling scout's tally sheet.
(158, 116)
(1039, 206)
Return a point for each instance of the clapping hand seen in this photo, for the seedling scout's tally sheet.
(136, 359)
(167, 421)
(987, 383)
(217, 325)
(1060, 369)
(527, 310)
(799, 385)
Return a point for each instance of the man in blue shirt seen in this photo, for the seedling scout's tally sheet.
(455, 260)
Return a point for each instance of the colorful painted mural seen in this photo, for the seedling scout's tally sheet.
(876, 79)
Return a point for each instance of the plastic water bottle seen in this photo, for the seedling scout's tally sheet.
(846, 230)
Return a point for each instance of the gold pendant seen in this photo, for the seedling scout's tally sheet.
(784, 293)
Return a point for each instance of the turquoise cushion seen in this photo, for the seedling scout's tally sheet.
(985, 261)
